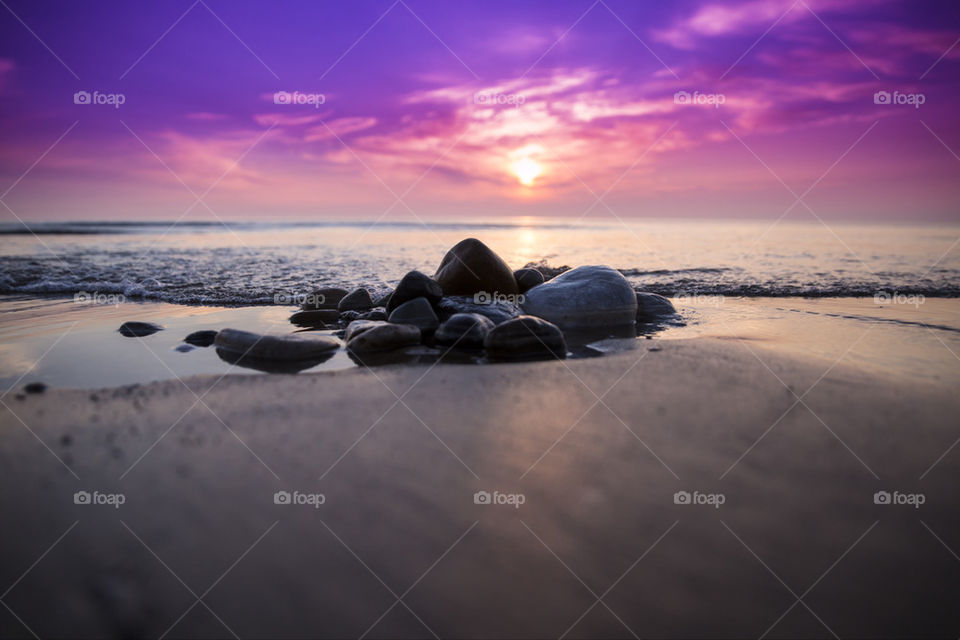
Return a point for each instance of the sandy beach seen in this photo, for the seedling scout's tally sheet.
(781, 455)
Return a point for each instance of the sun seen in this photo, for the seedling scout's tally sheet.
(526, 169)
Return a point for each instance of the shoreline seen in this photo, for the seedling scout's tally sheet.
(399, 479)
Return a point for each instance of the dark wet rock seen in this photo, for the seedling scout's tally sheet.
(139, 329)
(356, 300)
(527, 279)
(35, 387)
(584, 298)
(271, 365)
(201, 338)
(383, 299)
(652, 307)
(525, 338)
(317, 319)
(464, 330)
(326, 298)
(381, 336)
(415, 285)
(497, 311)
(471, 267)
(374, 314)
(346, 317)
(276, 347)
(183, 348)
(417, 312)
(357, 327)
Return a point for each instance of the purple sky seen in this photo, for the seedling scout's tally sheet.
(456, 109)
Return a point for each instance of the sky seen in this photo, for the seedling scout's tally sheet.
(397, 109)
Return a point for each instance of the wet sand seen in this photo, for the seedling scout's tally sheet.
(597, 448)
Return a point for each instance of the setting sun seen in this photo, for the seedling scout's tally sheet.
(526, 170)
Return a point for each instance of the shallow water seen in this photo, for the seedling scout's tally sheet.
(245, 264)
(65, 344)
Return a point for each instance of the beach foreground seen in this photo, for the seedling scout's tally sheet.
(779, 533)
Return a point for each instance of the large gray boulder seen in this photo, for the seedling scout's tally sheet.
(587, 297)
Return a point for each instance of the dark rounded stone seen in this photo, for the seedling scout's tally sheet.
(356, 300)
(472, 267)
(374, 314)
(184, 348)
(139, 329)
(415, 285)
(318, 318)
(34, 387)
(527, 279)
(525, 338)
(276, 347)
(383, 299)
(652, 307)
(464, 330)
(326, 298)
(380, 336)
(201, 338)
(417, 312)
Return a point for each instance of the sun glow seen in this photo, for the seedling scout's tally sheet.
(526, 169)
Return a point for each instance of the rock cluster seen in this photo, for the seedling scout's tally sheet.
(474, 303)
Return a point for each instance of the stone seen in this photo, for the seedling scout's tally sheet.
(414, 285)
(471, 267)
(356, 300)
(201, 338)
(318, 318)
(417, 312)
(497, 311)
(34, 387)
(184, 348)
(374, 314)
(383, 299)
(139, 329)
(276, 347)
(464, 330)
(380, 336)
(525, 338)
(325, 298)
(652, 307)
(357, 327)
(527, 279)
(589, 297)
